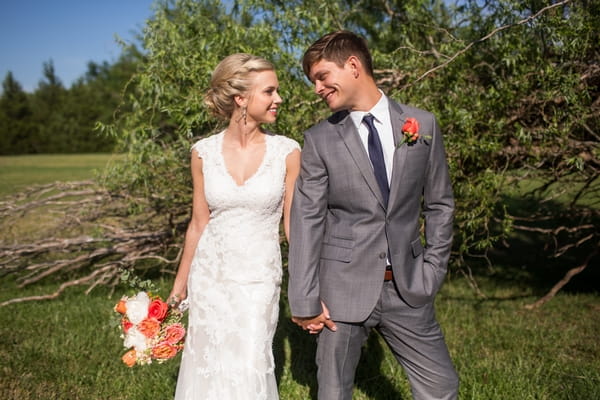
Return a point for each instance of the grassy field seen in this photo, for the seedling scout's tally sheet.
(67, 348)
(17, 172)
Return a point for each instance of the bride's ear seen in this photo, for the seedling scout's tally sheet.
(240, 101)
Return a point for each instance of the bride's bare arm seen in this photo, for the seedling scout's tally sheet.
(292, 164)
(200, 217)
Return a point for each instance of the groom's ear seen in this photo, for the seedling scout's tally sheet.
(353, 63)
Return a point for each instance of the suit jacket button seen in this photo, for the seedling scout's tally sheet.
(382, 255)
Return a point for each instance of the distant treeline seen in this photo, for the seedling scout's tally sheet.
(55, 119)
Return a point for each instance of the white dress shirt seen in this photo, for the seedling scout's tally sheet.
(383, 124)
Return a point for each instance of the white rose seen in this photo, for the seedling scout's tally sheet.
(135, 339)
(137, 307)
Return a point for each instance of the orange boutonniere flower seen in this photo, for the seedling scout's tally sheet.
(410, 132)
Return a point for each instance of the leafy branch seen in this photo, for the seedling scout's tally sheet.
(450, 59)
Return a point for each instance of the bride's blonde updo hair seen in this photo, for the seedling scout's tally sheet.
(231, 78)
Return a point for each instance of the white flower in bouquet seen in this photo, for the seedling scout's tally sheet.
(137, 307)
(136, 339)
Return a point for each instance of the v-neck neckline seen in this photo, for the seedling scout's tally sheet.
(255, 173)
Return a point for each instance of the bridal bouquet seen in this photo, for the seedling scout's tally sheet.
(151, 329)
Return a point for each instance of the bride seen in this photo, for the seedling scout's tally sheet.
(230, 270)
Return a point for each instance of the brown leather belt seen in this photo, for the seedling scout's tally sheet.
(389, 275)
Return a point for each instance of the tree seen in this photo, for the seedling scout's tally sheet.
(54, 119)
(15, 114)
(94, 99)
(515, 87)
(47, 103)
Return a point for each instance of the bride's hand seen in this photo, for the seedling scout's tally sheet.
(175, 299)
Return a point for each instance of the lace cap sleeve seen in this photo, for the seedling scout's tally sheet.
(206, 146)
(288, 145)
(200, 147)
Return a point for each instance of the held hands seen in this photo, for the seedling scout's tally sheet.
(316, 324)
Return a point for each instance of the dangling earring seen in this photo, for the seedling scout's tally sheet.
(244, 115)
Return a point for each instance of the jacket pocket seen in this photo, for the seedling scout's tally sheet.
(416, 247)
(336, 253)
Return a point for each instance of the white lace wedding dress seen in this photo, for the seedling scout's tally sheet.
(234, 281)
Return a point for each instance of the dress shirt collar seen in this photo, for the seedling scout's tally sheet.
(380, 111)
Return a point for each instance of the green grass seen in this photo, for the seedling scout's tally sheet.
(17, 172)
(68, 348)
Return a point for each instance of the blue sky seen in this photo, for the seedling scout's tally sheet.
(70, 32)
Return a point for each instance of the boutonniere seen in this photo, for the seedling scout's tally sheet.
(410, 132)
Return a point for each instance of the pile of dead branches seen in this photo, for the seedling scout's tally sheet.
(79, 234)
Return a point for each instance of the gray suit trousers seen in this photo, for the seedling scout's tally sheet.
(414, 337)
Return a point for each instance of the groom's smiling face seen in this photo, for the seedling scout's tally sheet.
(333, 83)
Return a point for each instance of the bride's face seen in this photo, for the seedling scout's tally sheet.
(263, 98)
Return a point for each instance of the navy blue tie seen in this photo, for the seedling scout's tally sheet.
(376, 156)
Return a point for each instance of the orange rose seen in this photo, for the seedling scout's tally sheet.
(121, 307)
(158, 309)
(126, 324)
(174, 333)
(164, 351)
(129, 358)
(410, 132)
(149, 327)
(411, 126)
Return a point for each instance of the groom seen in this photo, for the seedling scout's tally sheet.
(356, 258)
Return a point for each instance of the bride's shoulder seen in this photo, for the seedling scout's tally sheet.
(206, 144)
(286, 144)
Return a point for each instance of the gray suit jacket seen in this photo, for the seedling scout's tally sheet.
(341, 231)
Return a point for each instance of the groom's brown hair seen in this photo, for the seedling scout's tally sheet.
(337, 47)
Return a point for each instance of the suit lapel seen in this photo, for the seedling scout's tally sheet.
(349, 134)
(397, 118)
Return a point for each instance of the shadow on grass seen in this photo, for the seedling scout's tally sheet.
(526, 267)
(369, 376)
(528, 259)
(302, 347)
